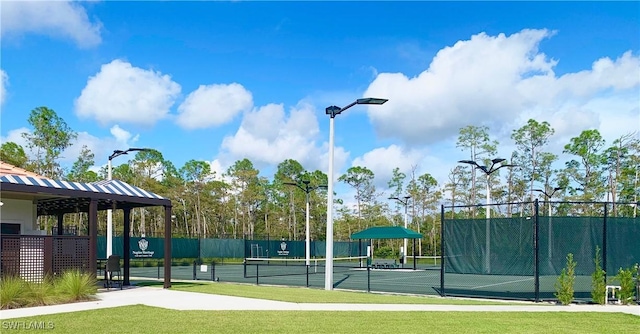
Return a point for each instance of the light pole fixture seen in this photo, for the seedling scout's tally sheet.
(307, 189)
(548, 196)
(116, 153)
(488, 171)
(405, 202)
(332, 111)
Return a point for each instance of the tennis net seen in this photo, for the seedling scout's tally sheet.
(267, 267)
(424, 262)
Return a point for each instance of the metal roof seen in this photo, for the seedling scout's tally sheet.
(387, 232)
(57, 196)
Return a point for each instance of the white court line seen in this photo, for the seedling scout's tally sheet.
(501, 283)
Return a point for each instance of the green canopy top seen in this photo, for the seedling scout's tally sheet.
(386, 232)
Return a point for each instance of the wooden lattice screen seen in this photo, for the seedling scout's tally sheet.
(32, 257)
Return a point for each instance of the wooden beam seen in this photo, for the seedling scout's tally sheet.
(126, 247)
(93, 236)
(167, 246)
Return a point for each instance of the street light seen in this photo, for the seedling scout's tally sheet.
(549, 213)
(116, 153)
(548, 196)
(488, 171)
(405, 202)
(332, 111)
(307, 189)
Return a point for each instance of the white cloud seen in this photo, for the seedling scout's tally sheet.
(267, 136)
(54, 18)
(100, 147)
(121, 92)
(213, 105)
(97, 146)
(340, 158)
(491, 80)
(4, 82)
(218, 170)
(16, 137)
(383, 160)
(122, 136)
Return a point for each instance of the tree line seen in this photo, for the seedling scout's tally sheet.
(242, 203)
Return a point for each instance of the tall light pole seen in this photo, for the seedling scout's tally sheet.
(548, 196)
(405, 202)
(488, 171)
(333, 111)
(115, 153)
(307, 189)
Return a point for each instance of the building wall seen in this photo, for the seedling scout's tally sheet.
(23, 212)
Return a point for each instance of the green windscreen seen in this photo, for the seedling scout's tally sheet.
(509, 248)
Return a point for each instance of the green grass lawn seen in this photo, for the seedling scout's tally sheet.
(144, 319)
(306, 295)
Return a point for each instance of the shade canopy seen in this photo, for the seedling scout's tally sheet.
(58, 197)
(386, 232)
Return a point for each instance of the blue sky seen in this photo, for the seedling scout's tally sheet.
(223, 81)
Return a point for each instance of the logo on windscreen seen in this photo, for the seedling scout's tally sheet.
(143, 245)
(283, 249)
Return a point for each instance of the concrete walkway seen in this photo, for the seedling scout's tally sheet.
(181, 300)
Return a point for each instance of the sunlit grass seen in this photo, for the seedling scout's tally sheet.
(306, 295)
(145, 319)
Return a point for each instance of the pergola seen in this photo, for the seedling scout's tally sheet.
(57, 198)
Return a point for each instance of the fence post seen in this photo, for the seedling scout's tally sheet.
(194, 270)
(442, 255)
(536, 251)
(213, 270)
(604, 241)
(307, 275)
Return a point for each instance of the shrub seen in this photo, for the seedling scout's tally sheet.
(598, 284)
(76, 285)
(627, 284)
(40, 294)
(384, 252)
(566, 280)
(12, 292)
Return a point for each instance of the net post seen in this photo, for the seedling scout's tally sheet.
(307, 275)
(194, 270)
(442, 293)
(604, 241)
(414, 254)
(536, 252)
(213, 271)
(368, 277)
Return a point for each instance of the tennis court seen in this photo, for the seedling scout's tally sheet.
(353, 277)
(517, 257)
